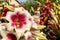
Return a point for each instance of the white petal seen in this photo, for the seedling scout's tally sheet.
(8, 16)
(22, 10)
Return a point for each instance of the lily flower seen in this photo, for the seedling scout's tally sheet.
(20, 20)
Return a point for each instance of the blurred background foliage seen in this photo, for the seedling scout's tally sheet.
(32, 3)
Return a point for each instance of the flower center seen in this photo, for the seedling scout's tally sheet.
(11, 36)
(17, 22)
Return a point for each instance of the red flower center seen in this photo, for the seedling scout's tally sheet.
(11, 36)
(17, 22)
(18, 19)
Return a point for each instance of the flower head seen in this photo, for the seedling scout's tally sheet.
(11, 36)
(18, 20)
(48, 4)
(45, 10)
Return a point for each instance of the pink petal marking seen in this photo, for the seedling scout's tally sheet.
(21, 19)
